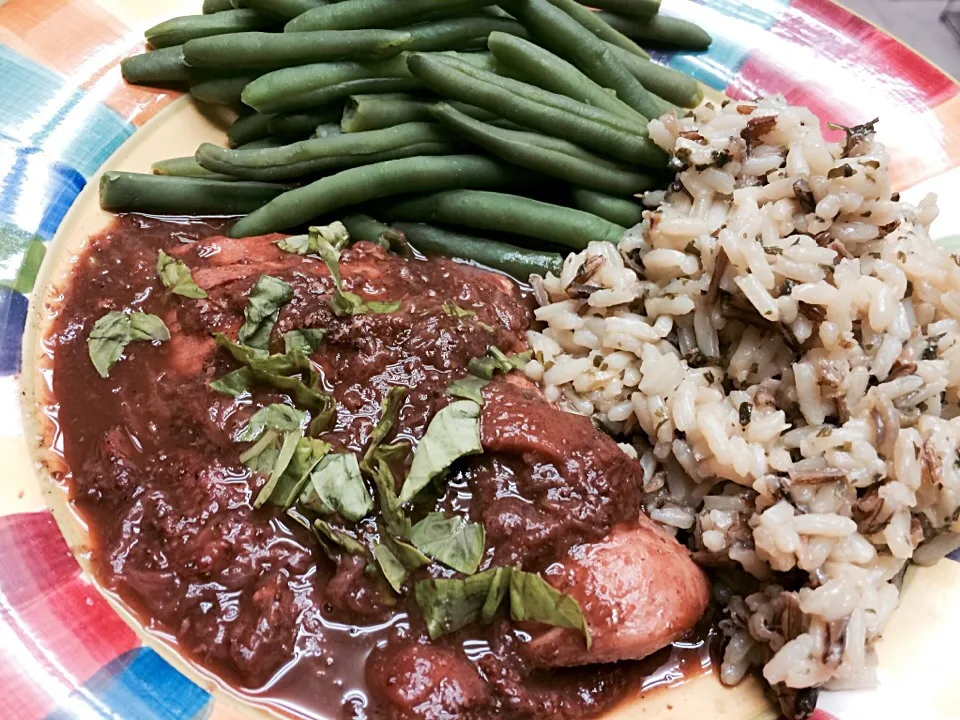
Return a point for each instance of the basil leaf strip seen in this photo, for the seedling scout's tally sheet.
(453, 433)
(450, 604)
(335, 234)
(175, 276)
(343, 302)
(468, 388)
(397, 559)
(306, 340)
(391, 509)
(389, 411)
(495, 359)
(454, 310)
(287, 450)
(346, 542)
(263, 308)
(451, 540)
(533, 598)
(278, 417)
(337, 483)
(112, 333)
(308, 454)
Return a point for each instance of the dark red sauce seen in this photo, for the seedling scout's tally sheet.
(248, 594)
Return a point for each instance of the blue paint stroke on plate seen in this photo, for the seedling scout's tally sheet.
(739, 28)
(13, 318)
(40, 108)
(137, 685)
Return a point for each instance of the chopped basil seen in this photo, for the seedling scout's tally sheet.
(306, 340)
(454, 432)
(393, 570)
(388, 416)
(391, 509)
(335, 234)
(337, 484)
(308, 454)
(450, 604)
(112, 333)
(344, 302)
(454, 310)
(451, 540)
(533, 598)
(261, 456)
(495, 360)
(287, 450)
(235, 383)
(278, 417)
(340, 539)
(175, 276)
(397, 559)
(263, 308)
(469, 388)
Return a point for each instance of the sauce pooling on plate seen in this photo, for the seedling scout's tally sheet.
(172, 449)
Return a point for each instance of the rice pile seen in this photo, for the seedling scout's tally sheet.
(779, 341)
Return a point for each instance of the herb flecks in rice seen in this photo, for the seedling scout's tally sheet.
(781, 338)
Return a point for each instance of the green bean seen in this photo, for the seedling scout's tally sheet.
(310, 156)
(661, 29)
(248, 128)
(158, 67)
(551, 156)
(672, 85)
(531, 63)
(187, 167)
(370, 182)
(215, 6)
(270, 51)
(567, 37)
(222, 91)
(267, 142)
(178, 30)
(283, 9)
(358, 14)
(627, 8)
(363, 228)
(301, 125)
(515, 261)
(556, 115)
(615, 209)
(373, 112)
(508, 213)
(462, 33)
(156, 194)
(589, 20)
(297, 87)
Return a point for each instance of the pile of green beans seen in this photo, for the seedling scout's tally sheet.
(350, 103)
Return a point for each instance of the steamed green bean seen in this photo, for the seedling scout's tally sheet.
(627, 8)
(178, 30)
(568, 38)
(283, 9)
(164, 66)
(559, 116)
(314, 155)
(661, 29)
(672, 85)
(373, 112)
(370, 182)
(531, 63)
(157, 194)
(516, 261)
(460, 33)
(301, 125)
(270, 51)
(214, 6)
(222, 91)
(615, 209)
(508, 213)
(379, 13)
(592, 22)
(187, 167)
(547, 155)
(248, 128)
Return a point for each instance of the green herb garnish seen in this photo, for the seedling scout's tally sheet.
(451, 540)
(450, 604)
(306, 340)
(468, 388)
(336, 486)
(263, 308)
(175, 276)
(497, 360)
(278, 417)
(112, 333)
(533, 598)
(454, 432)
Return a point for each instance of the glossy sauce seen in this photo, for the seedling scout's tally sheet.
(248, 594)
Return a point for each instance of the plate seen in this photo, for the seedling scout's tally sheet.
(70, 650)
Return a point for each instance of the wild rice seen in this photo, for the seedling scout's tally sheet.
(779, 340)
